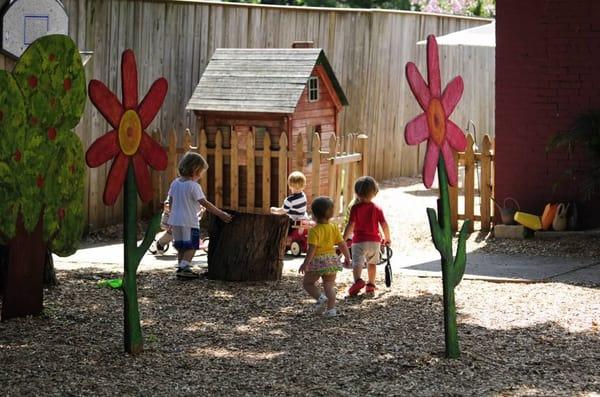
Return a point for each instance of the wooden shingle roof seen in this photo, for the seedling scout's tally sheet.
(258, 80)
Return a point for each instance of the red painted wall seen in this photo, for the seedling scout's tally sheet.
(547, 72)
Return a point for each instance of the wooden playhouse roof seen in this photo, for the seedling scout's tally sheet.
(259, 80)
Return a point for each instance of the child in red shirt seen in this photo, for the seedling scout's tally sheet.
(363, 226)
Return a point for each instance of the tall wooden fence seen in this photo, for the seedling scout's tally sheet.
(477, 185)
(366, 48)
(262, 181)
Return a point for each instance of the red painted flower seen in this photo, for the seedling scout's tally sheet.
(434, 125)
(128, 141)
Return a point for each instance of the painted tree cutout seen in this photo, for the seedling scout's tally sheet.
(41, 166)
(132, 151)
(443, 136)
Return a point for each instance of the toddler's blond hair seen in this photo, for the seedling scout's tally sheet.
(297, 180)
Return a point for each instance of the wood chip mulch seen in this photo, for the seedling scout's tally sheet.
(204, 336)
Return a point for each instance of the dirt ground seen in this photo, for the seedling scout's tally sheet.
(258, 339)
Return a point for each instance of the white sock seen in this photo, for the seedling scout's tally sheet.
(184, 264)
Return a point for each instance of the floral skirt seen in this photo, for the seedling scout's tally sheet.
(324, 264)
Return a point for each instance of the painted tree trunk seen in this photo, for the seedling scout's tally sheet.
(250, 248)
(133, 254)
(23, 289)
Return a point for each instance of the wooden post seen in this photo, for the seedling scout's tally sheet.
(282, 160)
(250, 171)
(332, 174)
(349, 186)
(339, 182)
(266, 174)
(485, 184)
(316, 165)
(363, 148)
(173, 160)
(470, 182)
(453, 195)
(234, 172)
(157, 188)
(219, 169)
(202, 150)
(187, 141)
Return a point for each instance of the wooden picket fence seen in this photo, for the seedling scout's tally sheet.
(481, 163)
(246, 178)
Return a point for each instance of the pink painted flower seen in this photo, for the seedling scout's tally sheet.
(433, 124)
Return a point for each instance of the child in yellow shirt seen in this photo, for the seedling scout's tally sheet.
(321, 261)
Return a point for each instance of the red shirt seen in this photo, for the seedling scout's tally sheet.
(366, 218)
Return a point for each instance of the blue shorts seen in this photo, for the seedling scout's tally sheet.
(186, 238)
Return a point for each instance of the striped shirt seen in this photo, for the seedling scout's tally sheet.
(294, 206)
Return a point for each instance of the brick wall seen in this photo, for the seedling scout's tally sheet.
(547, 72)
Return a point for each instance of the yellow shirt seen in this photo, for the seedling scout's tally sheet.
(324, 236)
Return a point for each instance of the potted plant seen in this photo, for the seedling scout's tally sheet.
(584, 134)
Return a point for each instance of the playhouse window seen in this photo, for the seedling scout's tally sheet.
(313, 89)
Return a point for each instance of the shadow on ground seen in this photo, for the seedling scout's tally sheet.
(262, 339)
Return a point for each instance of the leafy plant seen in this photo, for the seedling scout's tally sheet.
(584, 134)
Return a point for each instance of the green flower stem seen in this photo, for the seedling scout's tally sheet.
(133, 256)
(453, 268)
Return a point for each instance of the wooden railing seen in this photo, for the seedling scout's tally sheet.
(481, 163)
(245, 178)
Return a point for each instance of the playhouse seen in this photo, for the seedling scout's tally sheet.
(274, 92)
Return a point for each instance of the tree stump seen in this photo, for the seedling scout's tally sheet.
(250, 248)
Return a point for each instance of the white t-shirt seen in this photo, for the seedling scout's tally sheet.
(185, 194)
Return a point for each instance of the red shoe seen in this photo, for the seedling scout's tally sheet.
(356, 287)
(370, 288)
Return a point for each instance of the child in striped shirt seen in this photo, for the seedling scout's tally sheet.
(294, 205)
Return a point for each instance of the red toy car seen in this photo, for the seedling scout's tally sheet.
(297, 239)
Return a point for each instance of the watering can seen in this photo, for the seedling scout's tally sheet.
(507, 213)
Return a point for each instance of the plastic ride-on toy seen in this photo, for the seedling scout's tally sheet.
(297, 238)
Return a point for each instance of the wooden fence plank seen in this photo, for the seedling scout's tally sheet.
(469, 181)
(250, 170)
(282, 161)
(219, 169)
(363, 149)
(157, 191)
(266, 174)
(349, 167)
(485, 183)
(332, 171)
(173, 160)
(187, 140)
(202, 150)
(234, 171)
